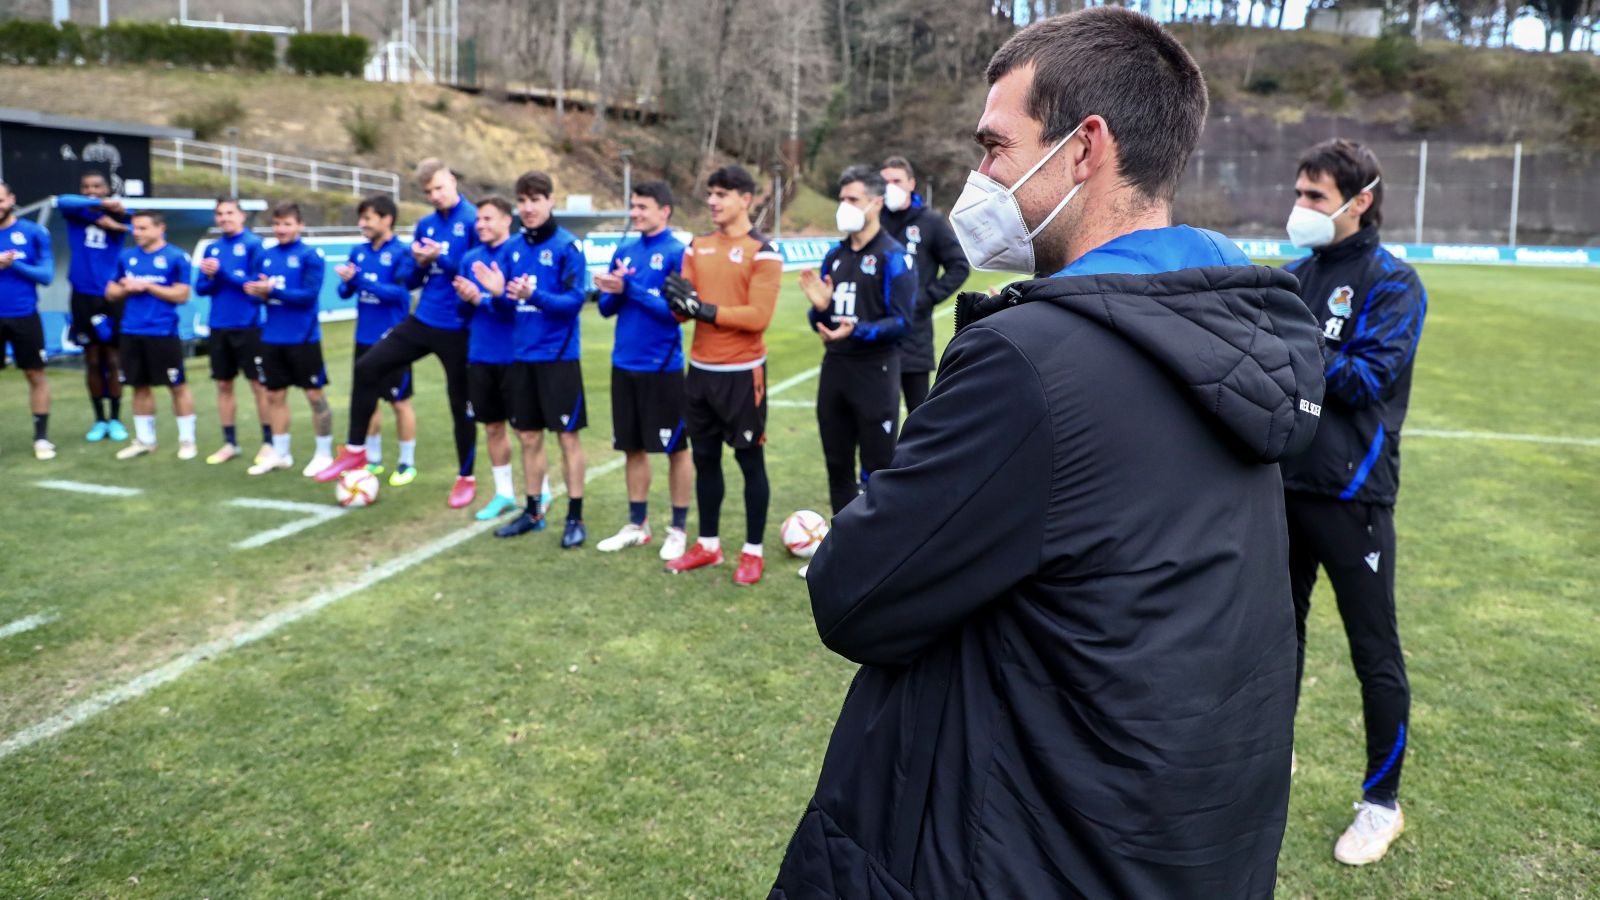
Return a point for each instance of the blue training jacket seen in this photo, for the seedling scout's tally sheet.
(146, 314)
(547, 323)
(492, 324)
(296, 273)
(231, 307)
(438, 305)
(94, 250)
(32, 269)
(649, 337)
(379, 286)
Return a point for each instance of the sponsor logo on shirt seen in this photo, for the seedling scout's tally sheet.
(1339, 301)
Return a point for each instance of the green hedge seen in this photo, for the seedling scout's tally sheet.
(40, 43)
(327, 54)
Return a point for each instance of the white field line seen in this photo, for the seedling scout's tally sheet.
(1500, 436)
(27, 623)
(80, 487)
(174, 669)
(314, 514)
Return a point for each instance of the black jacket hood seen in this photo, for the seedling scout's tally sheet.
(1237, 337)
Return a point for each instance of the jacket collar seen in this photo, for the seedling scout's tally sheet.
(1359, 244)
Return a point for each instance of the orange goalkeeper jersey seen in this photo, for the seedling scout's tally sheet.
(739, 275)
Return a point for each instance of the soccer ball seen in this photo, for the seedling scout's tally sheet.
(357, 487)
(803, 531)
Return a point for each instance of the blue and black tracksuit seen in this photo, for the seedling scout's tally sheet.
(379, 287)
(296, 272)
(1341, 492)
(238, 257)
(547, 323)
(94, 250)
(942, 268)
(858, 392)
(649, 337)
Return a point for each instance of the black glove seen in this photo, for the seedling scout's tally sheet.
(684, 300)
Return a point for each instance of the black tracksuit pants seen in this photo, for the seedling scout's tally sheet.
(858, 408)
(406, 343)
(1354, 542)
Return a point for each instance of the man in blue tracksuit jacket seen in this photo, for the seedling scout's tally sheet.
(376, 274)
(96, 226)
(226, 266)
(647, 382)
(1341, 493)
(289, 284)
(26, 265)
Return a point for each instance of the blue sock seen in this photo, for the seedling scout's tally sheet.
(266, 434)
(680, 516)
(637, 512)
(230, 435)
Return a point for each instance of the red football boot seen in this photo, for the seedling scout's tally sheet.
(749, 571)
(465, 489)
(698, 557)
(348, 460)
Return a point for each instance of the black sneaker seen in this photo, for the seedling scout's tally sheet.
(521, 525)
(575, 534)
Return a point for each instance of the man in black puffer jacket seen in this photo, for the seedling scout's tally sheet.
(1069, 593)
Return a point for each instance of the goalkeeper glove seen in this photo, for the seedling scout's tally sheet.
(684, 300)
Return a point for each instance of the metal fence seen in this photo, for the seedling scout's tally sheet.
(1433, 193)
(274, 168)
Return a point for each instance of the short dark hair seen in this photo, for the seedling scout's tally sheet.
(94, 173)
(869, 178)
(381, 205)
(535, 184)
(1123, 66)
(901, 163)
(500, 203)
(659, 191)
(429, 168)
(227, 201)
(1352, 166)
(732, 178)
(287, 209)
(155, 218)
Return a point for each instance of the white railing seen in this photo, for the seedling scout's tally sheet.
(274, 168)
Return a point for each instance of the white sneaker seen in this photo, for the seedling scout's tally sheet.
(187, 450)
(317, 464)
(631, 535)
(135, 448)
(270, 460)
(804, 569)
(261, 455)
(43, 449)
(675, 545)
(1369, 836)
(223, 454)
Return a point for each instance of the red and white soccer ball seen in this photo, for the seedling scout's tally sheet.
(803, 531)
(357, 487)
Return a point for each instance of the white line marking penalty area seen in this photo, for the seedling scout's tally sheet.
(81, 487)
(313, 514)
(27, 623)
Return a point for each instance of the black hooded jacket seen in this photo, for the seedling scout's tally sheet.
(1070, 598)
(941, 269)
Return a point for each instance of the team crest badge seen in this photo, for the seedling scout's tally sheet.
(294, 262)
(914, 233)
(173, 376)
(736, 255)
(386, 258)
(459, 230)
(266, 264)
(238, 249)
(565, 418)
(657, 261)
(547, 258)
(869, 264)
(666, 436)
(161, 262)
(516, 256)
(1339, 301)
(18, 238)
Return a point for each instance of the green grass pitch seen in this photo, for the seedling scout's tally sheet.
(509, 719)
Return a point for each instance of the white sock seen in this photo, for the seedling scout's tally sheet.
(711, 543)
(325, 445)
(144, 429)
(544, 487)
(186, 429)
(280, 444)
(502, 482)
(752, 549)
(408, 453)
(375, 448)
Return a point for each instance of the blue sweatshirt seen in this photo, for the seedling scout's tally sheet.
(33, 268)
(296, 273)
(94, 250)
(547, 323)
(648, 338)
(237, 257)
(379, 286)
(145, 314)
(492, 323)
(438, 305)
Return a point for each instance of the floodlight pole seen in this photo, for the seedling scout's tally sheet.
(1516, 190)
(627, 177)
(105, 13)
(233, 162)
(1422, 187)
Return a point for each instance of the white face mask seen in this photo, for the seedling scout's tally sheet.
(989, 223)
(1310, 228)
(895, 198)
(849, 218)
